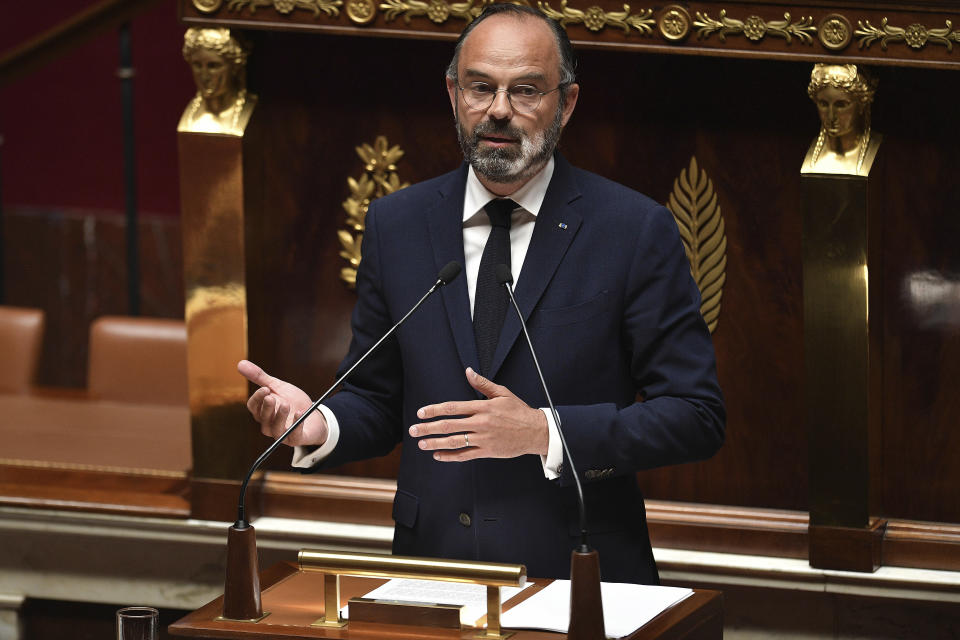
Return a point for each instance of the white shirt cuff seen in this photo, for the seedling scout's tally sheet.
(306, 457)
(554, 458)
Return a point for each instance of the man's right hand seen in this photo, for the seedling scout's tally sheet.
(277, 404)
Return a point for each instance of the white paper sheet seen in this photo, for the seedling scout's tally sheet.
(626, 607)
(472, 597)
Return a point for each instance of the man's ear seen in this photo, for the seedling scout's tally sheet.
(573, 91)
(452, 92)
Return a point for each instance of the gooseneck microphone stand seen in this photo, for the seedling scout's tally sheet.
(241, 592)
(586, 604)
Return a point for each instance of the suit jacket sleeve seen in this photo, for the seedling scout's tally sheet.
(681, 416)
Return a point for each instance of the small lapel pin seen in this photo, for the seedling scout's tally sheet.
(563, 225)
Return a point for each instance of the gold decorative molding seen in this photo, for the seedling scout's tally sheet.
(207, 6)
(755, 28)
(916, 35)
(693, 204)
(674, 23)
(439, 11)
(329, 7)
(361, 11)
(379, 179)
(596, 19)
(835, 32)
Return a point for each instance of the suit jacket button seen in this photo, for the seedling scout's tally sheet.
(464, 519)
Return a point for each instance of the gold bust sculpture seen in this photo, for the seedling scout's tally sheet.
(843, 94)
(218, 62)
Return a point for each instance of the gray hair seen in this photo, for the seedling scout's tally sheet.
(568, 58)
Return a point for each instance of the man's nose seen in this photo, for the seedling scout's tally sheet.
(500, 108)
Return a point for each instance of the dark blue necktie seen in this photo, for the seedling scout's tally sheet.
(491, 300)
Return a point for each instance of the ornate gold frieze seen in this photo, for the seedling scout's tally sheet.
(379, 179)
(916, 35)
(596, 19)
(439, 11)
(674, 23)
(329, 7)
(835, 32)
(207, 6)
(361, 11)
(694, 207)
(755, 28)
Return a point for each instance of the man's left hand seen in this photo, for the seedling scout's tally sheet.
(502, 426)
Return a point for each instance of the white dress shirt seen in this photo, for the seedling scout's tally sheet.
(476, 229)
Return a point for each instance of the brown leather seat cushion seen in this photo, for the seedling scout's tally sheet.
(140, 360)
(21, 338)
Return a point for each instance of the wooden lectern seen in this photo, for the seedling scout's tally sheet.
(295, 600)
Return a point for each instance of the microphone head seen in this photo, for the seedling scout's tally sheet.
(449, 272)
(503, 274)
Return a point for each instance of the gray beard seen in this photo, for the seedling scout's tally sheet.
(506, 165)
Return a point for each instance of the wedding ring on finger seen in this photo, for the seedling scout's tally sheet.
(466, 440)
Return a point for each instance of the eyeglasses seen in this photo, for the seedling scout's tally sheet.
(522, 97)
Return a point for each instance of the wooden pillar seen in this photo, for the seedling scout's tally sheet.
(215, 189)
(842, 343)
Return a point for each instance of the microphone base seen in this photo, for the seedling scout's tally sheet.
(586, 605)
(241, 589)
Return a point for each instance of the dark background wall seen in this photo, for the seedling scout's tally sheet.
(640, 119)
(61, 178)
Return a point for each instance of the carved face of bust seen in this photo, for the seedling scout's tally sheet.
(212, 73)
(840, 112)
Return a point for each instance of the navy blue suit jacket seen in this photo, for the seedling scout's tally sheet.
(613, 313)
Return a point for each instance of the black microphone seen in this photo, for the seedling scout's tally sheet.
(586, 600)
(505, 277)
(446, 275)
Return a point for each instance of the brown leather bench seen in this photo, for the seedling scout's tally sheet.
(139, 360)
(21, 338)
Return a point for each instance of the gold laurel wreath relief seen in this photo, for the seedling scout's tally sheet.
(916, 35)
(329, 7)
(437, 10)
(379, 178)
(755, 28)
(595, 18)
(694, 207)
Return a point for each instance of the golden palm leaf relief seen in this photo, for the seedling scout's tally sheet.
(694, 207)
(379, 178)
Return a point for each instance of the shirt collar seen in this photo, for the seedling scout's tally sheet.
(530, 196)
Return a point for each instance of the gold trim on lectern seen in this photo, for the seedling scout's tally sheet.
(334, 564)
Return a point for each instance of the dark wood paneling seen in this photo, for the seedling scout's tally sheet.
(97, 491)
(922, 299)
(930, 545)
(847, 548)
(763, 532)
(72, 264)
(639, 121)
(640, 128)
(359, 500)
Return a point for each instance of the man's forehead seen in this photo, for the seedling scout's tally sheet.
(515, 42)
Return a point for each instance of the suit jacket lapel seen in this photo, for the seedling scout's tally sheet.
(556, 225)
(445, 222)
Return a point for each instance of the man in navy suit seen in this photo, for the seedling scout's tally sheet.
(604, 285)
